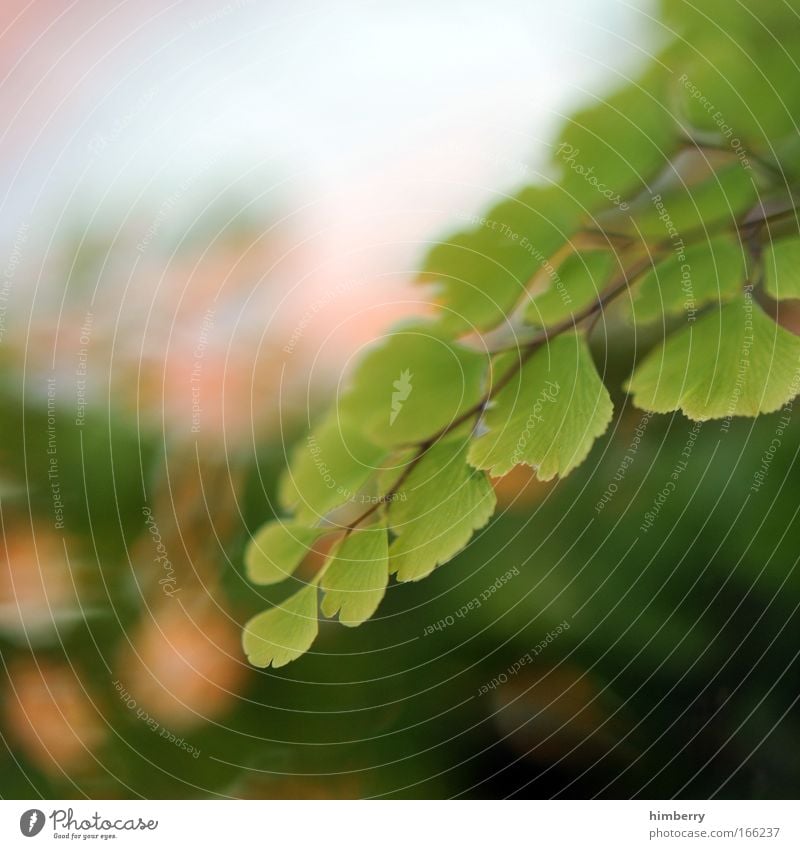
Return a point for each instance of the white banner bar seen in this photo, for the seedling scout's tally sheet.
(398, 825)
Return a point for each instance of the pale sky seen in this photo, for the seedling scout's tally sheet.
(375, 126)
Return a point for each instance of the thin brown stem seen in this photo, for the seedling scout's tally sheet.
(528, 350)
(748, 230)
(421, 451)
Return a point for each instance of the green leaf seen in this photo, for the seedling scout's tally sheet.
(576, 283)
(680, 206)
(281, 634)
(691, 278)
(612, 149)
(328, 468)
(415, 384)
(549, 415)
(277, 550)
(481, 274)
(782, 269)
(738, 87)
(356, 576)
(436, 510)
(743, 22)
(734, 361)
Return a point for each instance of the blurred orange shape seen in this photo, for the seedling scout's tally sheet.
(36, 585)
(519, 489)
(558, 715)
(185, 665)
(300, 787)
(50, 716)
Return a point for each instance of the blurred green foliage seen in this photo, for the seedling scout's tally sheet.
(678, 674)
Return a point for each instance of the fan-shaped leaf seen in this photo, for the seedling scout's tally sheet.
(734, 361)
(277, 549)
(612, 148)
(329, 466)
(281, 634)
(577, 281)
(437, 508)
(782, 269)
(742, 102)
(355, 579)
(481, 274)
(412, 386)
(681, 207)
(549, 415)
(689, 279)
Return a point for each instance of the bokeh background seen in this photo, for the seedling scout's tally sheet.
(208, 209)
